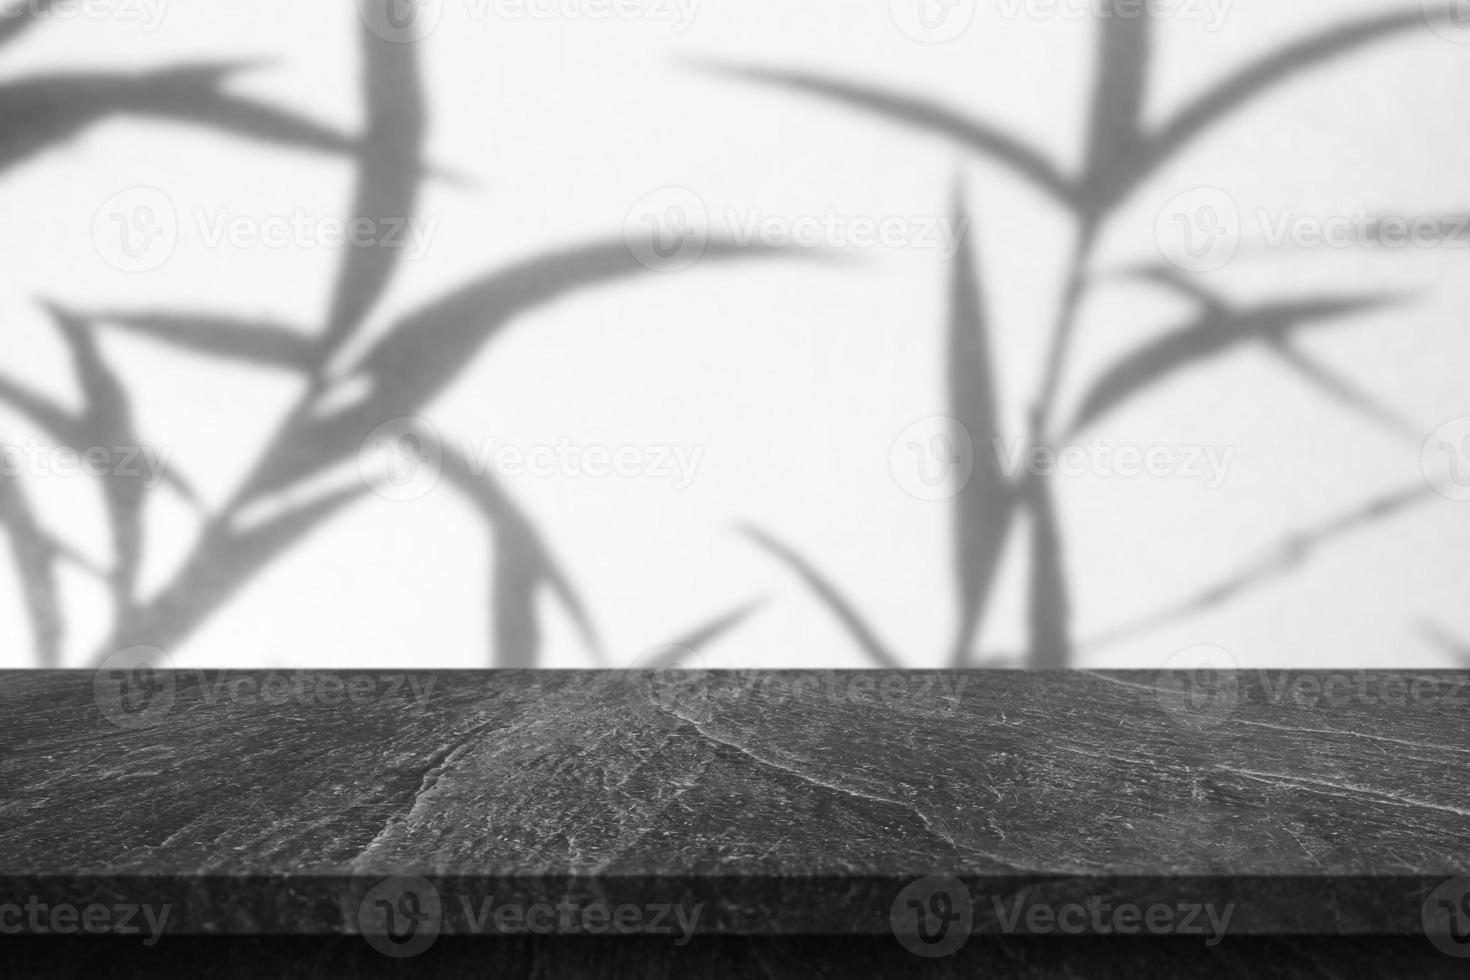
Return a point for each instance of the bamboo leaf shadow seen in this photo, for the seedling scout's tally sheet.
(41, 111)
(1118, 92)
(35, 553)
(227, 559)
(865, 637)
(106, 422)
(389, 165)
(1049, 612)
(1120, 156)
(702, 636)
(983, 508)
(1285, 347)
(1446, 642)
(429, 348)
(17, 22)
(1210, 108)
(987, 140)
(1216, 331)
(523, 564)
(243, 342)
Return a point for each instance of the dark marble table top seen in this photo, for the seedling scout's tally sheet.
(748, 803)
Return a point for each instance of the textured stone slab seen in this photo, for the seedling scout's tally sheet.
(756, 804)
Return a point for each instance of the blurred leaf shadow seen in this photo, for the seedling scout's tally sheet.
(418, 356)
(1121, 154)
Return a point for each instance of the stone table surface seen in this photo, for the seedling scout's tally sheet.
(773, 802)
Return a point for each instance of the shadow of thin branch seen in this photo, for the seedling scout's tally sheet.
(865, 637)
(1277, 562)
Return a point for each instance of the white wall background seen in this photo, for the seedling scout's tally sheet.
(793, 377)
